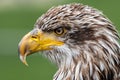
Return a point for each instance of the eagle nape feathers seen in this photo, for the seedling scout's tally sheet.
(79, 39)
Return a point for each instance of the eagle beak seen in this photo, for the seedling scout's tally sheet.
(35, 41)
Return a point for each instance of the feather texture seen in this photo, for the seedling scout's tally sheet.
(91, 50)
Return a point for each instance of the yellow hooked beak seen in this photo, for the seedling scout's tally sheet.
(35, 41)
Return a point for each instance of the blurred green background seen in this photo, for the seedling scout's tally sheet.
(17, 17)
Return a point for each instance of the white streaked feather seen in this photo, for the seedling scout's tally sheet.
(102, 66)
(91, 68)
(95, 76)
(81, 76)
(77, 70)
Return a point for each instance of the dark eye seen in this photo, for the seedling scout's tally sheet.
(59, 31)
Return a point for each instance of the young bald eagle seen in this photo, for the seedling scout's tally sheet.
(79, 39)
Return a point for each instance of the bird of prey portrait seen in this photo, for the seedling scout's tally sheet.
(79, 39)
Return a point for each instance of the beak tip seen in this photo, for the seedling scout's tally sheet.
(26, 63)
(23, 59)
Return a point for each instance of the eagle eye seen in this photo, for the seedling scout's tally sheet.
(59, 31)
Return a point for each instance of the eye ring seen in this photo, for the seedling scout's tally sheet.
(59, 31)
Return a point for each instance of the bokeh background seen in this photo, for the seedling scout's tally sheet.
(17, 17)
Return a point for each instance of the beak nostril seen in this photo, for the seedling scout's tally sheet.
(34, 37)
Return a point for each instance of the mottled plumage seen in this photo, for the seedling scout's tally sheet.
(91, 50)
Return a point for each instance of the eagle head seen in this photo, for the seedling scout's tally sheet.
(79, 39)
